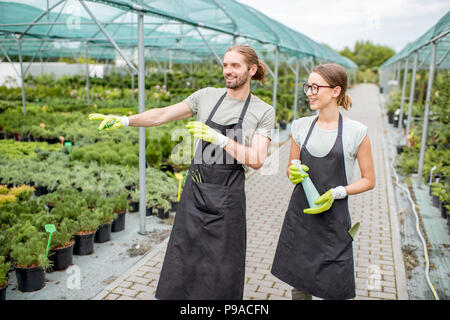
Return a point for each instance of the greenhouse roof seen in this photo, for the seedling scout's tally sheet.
(440, 32)
(175, 25)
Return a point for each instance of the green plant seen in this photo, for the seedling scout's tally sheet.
(29, 246)
(120, 202)
(105, 214)
(64, 233)
(4, 270)
(86, 222)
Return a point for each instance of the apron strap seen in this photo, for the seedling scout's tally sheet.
(219, 102)
(244, 110)
(340, 125)
(216, 107)
(310, 130)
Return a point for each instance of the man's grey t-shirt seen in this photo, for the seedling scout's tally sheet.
(259, 118)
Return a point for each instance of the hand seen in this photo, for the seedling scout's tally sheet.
(295, 175)
(110, 122)
(204, 132)
(327, 200)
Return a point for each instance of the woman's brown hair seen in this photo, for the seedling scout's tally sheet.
(251, 58)
(335, 75)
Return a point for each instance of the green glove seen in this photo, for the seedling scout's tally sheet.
(204, 132)
(327, 200)
(295, 175)
(110, 122)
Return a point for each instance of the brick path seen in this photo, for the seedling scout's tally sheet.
(379, 267)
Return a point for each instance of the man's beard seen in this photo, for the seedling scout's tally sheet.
(239, 83)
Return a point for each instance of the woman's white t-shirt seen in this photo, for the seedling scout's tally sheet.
(321, 141)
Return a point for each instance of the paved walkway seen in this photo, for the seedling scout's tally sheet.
(379, 267)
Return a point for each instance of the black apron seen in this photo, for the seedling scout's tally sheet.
(315, 251)
(205, 255)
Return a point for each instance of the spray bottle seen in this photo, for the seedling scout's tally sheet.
(310, 190)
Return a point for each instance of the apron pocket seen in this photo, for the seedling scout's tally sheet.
(210, 198)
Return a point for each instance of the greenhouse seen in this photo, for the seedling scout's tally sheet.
(78, 179)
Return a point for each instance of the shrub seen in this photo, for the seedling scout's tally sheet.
(4, 270)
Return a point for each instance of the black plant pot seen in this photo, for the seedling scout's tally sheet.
(396, 122)
(400, 149)
(435, 201)
(283, 125)
(134, 206)
(40, 191)
(119, 223)
(3, 292)
(443, 210)
(62, 258)
(174, 205)
(30, 279)
(52, 140)
(391, 118)
(148, 211)
(84, 244)
(162, 214)
(103, 233)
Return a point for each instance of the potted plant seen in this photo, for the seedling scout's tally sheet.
(84, 231)
(444, 200)
(28, 251)
(134, 203)
(4, 270)
(61, 246)
(435, 191)
(120, 209)
(163, 208)
(105, 216)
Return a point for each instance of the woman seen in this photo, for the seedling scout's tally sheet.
(314, 253)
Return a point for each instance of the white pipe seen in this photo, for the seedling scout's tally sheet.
(425, 251)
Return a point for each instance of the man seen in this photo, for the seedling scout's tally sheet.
(205, 256)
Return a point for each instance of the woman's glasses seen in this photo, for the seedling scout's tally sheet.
(314, 88)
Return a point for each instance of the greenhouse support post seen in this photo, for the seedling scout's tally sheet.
(275, 80)
(411, 93)
(426, 114)
(141, 97)
(296, 72)
(297, 69)
(87, 71)
(402, 102)
(22, 84)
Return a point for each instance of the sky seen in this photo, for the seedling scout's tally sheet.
(341, 23)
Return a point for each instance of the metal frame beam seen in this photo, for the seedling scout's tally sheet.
(132, 67)
(402, 102)
(411, 92)
(426, 113)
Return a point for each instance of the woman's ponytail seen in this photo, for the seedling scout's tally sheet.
(345, 102)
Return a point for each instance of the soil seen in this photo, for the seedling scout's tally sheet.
(142, 247)
(64, 246)
(410, 259)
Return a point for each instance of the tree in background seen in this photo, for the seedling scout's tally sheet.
(369, 58)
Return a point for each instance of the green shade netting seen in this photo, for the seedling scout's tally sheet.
(172, 24)
(423, 46)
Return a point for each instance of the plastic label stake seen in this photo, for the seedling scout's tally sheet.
(308, 186)
(50, 228)
(180, 180)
